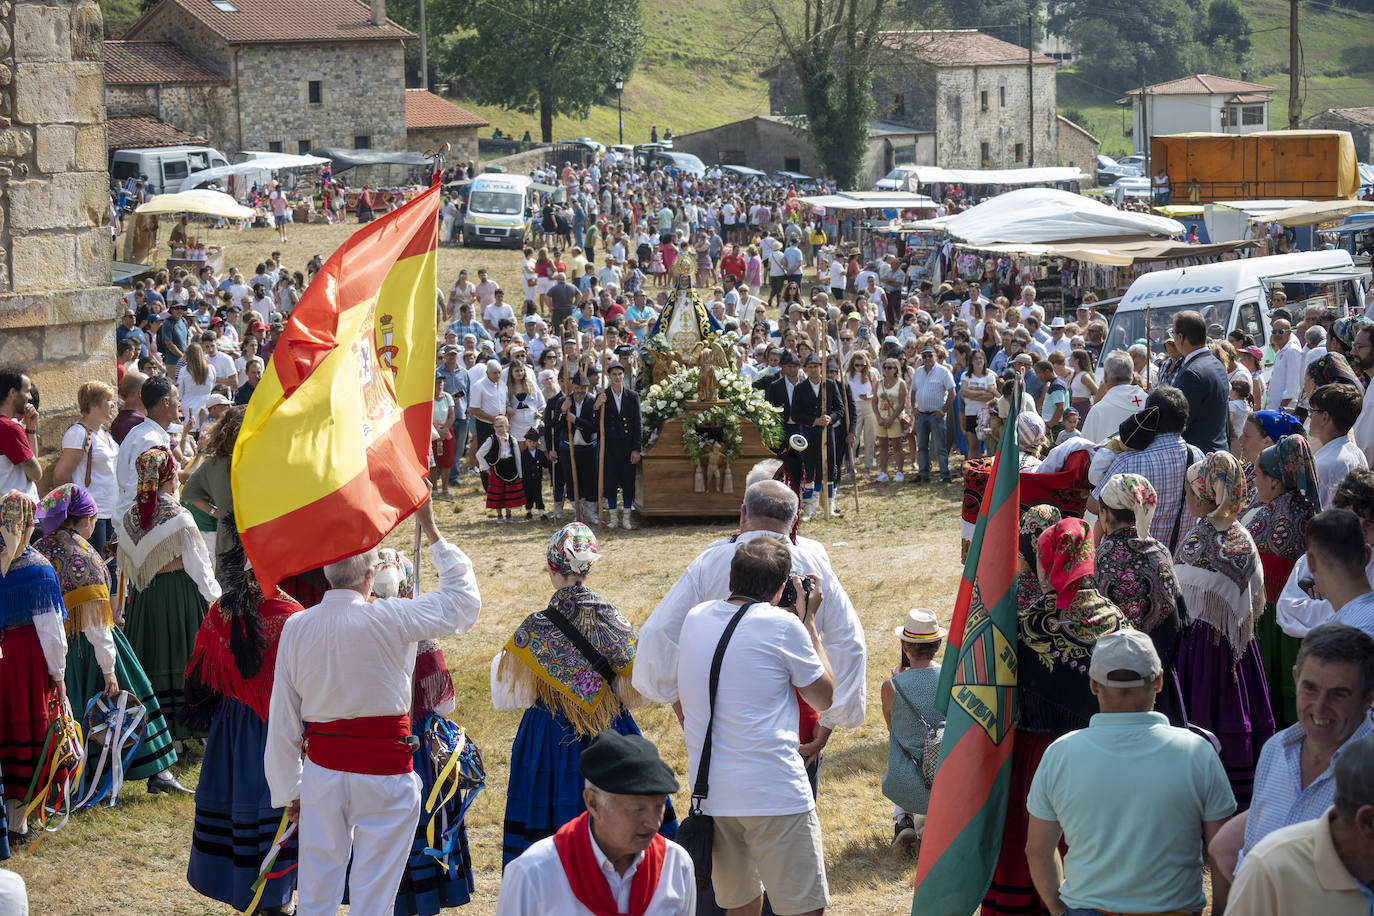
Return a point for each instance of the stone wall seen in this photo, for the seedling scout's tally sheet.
(963, 125)
(200, 109)
(1363, 134)
(57, 308)
(1077, 149)
(463, 141)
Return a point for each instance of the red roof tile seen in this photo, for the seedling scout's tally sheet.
(1363, 116)
(424, 109)
(278, 21)
(135, 133)
(959, 48)
(155, 62)
(1201, 84)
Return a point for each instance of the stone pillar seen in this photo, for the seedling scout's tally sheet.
(57, 307)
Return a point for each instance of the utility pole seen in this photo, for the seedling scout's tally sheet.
(1294, 67)
(1030, 87)
(424, 49)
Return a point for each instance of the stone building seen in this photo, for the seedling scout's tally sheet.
(1359, 121)
(297, 76)
(152, 83)
(57, 307)
(1077, 146)
(1202, 102)
(988, 103)
(432, 121)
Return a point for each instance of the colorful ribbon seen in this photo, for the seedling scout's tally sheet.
(285, 830)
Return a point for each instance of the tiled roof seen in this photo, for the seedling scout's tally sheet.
(425, 109)
(1078, 127)
(135, 133)
(155, 62)
(1364, 116)
(1201, 84)
(278, 21)
(960, 48)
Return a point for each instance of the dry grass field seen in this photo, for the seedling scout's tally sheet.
(900, 549)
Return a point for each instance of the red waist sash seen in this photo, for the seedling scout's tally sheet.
(375, 745)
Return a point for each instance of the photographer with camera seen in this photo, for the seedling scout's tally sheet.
(766, 832)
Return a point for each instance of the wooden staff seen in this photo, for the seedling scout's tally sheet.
(571, 470)
(853, 454)
(415, 555)
(825, 430)
(1149, 350)
(601, 436)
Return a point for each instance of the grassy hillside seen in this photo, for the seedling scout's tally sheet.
(1338, 69)
(692, 75)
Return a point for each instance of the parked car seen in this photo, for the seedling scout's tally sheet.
(744, 173)
(797, 180)
(1109, 169)
(896, 180)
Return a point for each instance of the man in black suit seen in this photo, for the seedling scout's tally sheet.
(843, 422)
(782, 389)
(621, 442)
(807, 413)
(579, 413)
(1202, 379)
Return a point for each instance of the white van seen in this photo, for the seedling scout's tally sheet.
(498, 210)
(1228, 293)
(165, 166)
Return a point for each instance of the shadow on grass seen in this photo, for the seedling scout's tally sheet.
(867, 863)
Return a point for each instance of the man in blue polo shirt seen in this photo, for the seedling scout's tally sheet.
(1136, 798)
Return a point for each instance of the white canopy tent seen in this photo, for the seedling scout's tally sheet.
(1041, 215)
(870, 200)
(263, 162)
(1311, 214)
(200, 200)
(929, 174)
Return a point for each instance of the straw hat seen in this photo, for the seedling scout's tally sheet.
(921, 626)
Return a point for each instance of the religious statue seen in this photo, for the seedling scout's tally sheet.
(699, 478)
(709, 358)
(685, 320)
(664, 365)
(729, 486)
(715, 458)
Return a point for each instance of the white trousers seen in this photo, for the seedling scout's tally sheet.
(371, 817)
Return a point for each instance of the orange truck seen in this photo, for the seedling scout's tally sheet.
(1266, 165)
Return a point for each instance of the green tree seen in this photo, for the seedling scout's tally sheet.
(1225, 22)
(832, 46)
(118, 15)
(1122, 42)
(554, 57)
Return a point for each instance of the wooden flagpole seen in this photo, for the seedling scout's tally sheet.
(601, 434)
(571, 470)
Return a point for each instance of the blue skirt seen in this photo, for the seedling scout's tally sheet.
(426, 886)
(235, 821)
(545, 789)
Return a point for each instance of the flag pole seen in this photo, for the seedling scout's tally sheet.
(601, 432)
(415, 555)
(571, 470)
(853, 453)
(823, 346)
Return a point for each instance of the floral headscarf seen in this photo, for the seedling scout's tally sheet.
(155, 467)
(1331, 368)
(1277, 423)
(1132, 493)
(1066, 550)
(572, 550)
(16, 524)
(66, 501)
(1345, 329)
(1219, 479)
(1034, 521)
(1290, 462)
(1030, 431)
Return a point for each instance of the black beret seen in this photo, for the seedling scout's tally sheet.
(788, 358)
(626, 765)
(578, 378)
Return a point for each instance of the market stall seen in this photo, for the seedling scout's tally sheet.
(140, 241)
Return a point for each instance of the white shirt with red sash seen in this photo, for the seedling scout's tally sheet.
(579, 880)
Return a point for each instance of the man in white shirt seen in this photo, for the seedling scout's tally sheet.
(1334, 409)
(344, 672)
(1285, 381)
(487, 401)
(1148, 371)
(19, 469)
(590, 865)
(1117, 398)
(223, 363)
(1337, 556)
(932, 393)
(1026, 304)
(838, 277)
(1057, 339)
(492, 314)
(161, 407)
(754, 785)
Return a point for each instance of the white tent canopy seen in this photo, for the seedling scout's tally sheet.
(870, 200)
(1311, 214)
(929, 174)
(1040, 215)
(264, 162)
(200, 200)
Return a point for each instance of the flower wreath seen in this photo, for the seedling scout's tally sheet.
(722, 416)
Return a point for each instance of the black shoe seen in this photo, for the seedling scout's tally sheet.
(946, 480)
(167, 783)
(19, 839)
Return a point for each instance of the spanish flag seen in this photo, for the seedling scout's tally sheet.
(334, 446)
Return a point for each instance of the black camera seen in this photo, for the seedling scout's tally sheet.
(789, 592)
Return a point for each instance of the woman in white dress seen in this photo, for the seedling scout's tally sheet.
(195, 381)
(88, 457)
(525, 401)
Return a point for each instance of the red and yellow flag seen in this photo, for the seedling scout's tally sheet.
(334, 446)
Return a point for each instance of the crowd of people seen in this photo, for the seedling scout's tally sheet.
(1203, 636)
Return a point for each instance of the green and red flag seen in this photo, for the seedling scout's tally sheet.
(968, 801)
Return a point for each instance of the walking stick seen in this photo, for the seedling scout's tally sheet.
(825, 430)
(853, 454)
(601, 440)
(571, 470)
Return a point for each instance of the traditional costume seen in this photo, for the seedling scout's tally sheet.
(1034, 521)
(95, 647)
(1137, 575)
(344, 670)
(1218, 570)
(1275, 424)
(33, 655)
(1279, 530)
(164, 557)
(499, 458)
(1055, 644)
(228, 689)
(568, 697)
(570, 874)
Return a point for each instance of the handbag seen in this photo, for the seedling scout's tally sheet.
(929, 760)
(697, 832)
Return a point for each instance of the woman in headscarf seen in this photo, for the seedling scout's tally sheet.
(1056, 636)
(1137, 574)
(99, 658)
(568, 699)
(1262, 429)
(227, 689)
(1031, 434)
(1287, 486)
(1218, 570)
(1328, 369)
(164, 556)
(33, 656)
(1034, 521)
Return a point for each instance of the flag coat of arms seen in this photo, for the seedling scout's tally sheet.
(977, 693)
(333, 450)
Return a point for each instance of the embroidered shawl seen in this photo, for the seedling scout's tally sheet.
(29, 588)
(538, 656)
(1055, 649)
(1137, 575)
(1219, 573)
(143, 552)
(212, 667)
(81, 576)
(1279, 527)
